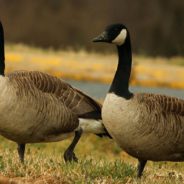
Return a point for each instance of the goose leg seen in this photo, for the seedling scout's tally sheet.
(21, 150)
(140, 167)
(69, 155)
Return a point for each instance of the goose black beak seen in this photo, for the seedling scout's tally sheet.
(101, 38)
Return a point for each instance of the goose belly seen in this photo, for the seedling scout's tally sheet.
(28, 119)
(17, 119)
(24, 123)
(137, 133)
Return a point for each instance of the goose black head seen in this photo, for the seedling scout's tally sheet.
(116, 33)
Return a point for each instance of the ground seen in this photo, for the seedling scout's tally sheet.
(100, 161)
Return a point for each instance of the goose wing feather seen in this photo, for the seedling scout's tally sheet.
(45, 108)
(78, 102)
(164, 117)
(167, 104)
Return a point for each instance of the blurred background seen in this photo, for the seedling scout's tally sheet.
(55, 36)
(156, 27)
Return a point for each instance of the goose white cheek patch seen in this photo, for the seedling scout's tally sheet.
(120, 39)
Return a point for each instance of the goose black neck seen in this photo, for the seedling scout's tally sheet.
(2, 57)
(120, 84)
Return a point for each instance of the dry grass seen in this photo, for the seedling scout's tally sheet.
(96, 67)
(100, 161)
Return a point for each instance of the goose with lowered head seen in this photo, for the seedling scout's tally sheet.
(36, 107)
(146, 126)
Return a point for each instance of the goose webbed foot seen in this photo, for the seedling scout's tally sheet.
(21, 150)
(69, 154)
(140, 167)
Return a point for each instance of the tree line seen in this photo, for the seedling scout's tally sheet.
(156, 27)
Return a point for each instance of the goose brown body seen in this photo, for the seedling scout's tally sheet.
(41, 108)
(147, 126)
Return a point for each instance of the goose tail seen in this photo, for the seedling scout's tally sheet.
(105, 134)
(93, 126)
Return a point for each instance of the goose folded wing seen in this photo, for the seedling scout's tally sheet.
(80, 103)
(167, 104)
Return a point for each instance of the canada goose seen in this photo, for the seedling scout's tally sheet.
(36, 107)
(146, 126)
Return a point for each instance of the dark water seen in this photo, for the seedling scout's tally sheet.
(98, 90)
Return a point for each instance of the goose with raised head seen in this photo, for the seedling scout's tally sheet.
(36, 107)
(146, 126)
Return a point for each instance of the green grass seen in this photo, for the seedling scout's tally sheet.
(100, 161)
(96, 162)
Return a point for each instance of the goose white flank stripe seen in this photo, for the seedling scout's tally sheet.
(91, 126)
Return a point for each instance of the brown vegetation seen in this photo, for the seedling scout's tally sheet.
(87, 66)
(156, 26)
